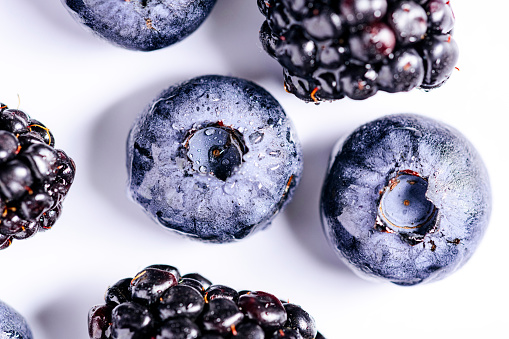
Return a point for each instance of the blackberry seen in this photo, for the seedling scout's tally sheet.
(330, 49)
(34, 176)
(172, 307)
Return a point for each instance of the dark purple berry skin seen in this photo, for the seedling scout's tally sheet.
(182, 312)
(8, 146)
(300, 320)
(441, 17)
(406, 199)
(34, 177)
(119, 293)
(286, 333)
(373, 43)
(221, 291)
(324, 46)
(178, 328)
(249, 330)
(180, 301)
(140, 24)
(440, 56)
(409, 22)
(130, 321)
(403, 73)
(204, 282)
(99, 320)
(15, 180)
(149, 285)
(264, 308)
(220, 315)
(363, 11)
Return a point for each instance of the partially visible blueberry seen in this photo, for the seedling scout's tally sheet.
(406, 199)
(214, 158)
(143, 25)
(12, 324)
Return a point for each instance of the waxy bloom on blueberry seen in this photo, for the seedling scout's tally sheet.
(12, 324)
(214, 158)
(142, 25)
(406, 199)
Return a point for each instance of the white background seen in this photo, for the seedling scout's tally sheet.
(88, 92)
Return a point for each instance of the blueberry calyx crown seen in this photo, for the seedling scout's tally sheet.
(215, 149)
(34, 176)
(159, 303)
(404, 209)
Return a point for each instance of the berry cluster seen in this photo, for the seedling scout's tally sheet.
(333, 48)
(159, 303)
(34, 176)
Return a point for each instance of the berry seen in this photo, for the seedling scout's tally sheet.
(183, 312)
(214, 158)
(12, 324)
(34, 176)
(354, 48)
(142, 25)
(406, 199)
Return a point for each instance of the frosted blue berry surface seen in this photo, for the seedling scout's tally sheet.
(174, 146)
(12, 324)
(143, 25)
(406, 199)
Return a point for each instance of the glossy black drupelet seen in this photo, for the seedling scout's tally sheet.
(158, 304)
(34, 176)
(330, 49)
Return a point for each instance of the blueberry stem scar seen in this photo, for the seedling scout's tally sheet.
(215, 149)
(404, 209)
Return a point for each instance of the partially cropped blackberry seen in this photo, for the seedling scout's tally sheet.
(158, 303)
(34, 176)
(330, 49)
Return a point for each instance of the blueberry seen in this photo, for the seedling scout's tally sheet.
(406, 199)
(12, 324)
(143, 25)
(214, 158)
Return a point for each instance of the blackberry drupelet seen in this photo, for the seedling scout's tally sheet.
(34, 176)
(172, 308)
(330, 49)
